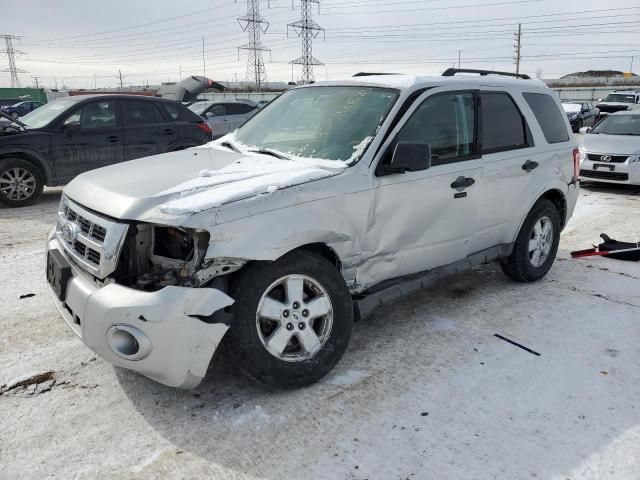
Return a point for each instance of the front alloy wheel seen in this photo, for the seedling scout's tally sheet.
(291, 319)
(21, 183)
(294, 318)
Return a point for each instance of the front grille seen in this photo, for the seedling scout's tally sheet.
(604, 175)
(91, 229)
(596, 157)
(90, 239)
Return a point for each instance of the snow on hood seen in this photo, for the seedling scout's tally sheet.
(248, 177)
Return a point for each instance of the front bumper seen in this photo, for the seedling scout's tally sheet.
(624, 173)
(158, 334)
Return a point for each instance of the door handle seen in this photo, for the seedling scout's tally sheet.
(529, 166)
(168, 131)
(113, 139)
(462, 182)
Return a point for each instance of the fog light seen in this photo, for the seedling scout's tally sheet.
(128, 342)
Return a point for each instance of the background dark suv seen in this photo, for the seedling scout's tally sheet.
(69, 136)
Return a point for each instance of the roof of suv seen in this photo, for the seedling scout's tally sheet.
(408, 82)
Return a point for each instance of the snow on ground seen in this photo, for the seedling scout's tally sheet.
(424, 391)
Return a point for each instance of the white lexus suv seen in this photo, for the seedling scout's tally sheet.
(335, 198)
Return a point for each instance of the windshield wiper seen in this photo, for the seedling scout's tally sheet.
(266, 151)
(14, 120)
(230, 146)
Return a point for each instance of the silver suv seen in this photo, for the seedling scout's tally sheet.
(334, 199)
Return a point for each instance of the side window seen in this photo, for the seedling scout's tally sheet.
(503, 126)
(140, 113)
(549, 117)
(235, 109)
(172, 110)
(94, 115)
(447, 123)
(217, 110)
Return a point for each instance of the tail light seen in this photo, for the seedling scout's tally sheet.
(205, 128)
(576, 164)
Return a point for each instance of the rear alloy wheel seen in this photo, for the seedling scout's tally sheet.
(20, 183)
(535, 248)
(291, 319)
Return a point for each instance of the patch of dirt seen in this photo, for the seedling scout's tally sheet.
(34, 381)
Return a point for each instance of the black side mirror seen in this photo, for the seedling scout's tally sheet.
(409, 157)
(70, 128)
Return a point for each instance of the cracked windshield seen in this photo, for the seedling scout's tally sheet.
(333, 123)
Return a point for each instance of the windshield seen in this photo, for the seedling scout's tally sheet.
(620, 98)
(44, 115)
(619, 125)
(571, 107)
(333, 123)
(199, 107)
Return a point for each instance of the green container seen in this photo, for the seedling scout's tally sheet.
(35, 94)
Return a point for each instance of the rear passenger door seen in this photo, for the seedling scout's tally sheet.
(146, 130)
(509, 164)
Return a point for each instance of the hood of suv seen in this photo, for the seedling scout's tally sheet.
(611, 144)
(187, 182)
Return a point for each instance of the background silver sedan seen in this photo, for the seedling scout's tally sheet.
(224, 117)
(610, 151)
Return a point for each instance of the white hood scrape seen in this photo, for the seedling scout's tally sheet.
(246, 178)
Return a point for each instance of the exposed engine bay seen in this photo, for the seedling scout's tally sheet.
(154, 257)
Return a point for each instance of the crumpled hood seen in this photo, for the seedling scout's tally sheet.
(611, 144)
(187, 182)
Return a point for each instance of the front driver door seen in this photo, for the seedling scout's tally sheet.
(421, 220)
(90, 137)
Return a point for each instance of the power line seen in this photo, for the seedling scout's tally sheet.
(254, 24)
(307, 29)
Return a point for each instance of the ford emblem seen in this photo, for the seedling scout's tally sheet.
(70, 231)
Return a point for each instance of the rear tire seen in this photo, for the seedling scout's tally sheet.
(21, 182)
(278, 335)
(535, 248)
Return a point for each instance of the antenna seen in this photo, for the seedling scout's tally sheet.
(308, 30)
(255, 24)
(11, 53)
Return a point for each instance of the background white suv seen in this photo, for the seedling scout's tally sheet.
(334, 198)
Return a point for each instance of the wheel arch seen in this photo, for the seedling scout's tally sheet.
(556, 197)
(323, 250)
(32, 158)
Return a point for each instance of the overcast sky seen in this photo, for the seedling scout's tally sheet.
(71, 41)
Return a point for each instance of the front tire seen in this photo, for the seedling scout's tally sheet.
(21, 182)
(536, 246)
(292, 320)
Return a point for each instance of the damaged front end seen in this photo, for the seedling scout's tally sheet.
(144, 297)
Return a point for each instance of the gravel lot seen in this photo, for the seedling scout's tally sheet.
(425, 390)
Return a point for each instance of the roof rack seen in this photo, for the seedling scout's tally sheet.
(373, 74)
(450, 72)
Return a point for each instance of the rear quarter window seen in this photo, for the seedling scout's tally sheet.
(549, 117)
